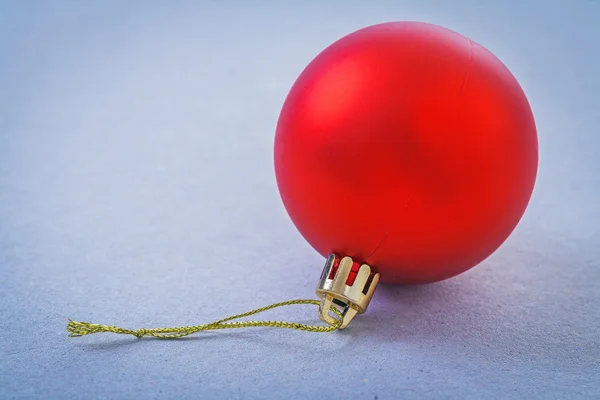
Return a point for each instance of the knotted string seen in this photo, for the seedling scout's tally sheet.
(76, 329)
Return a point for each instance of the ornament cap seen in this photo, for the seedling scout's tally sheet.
(346, 288)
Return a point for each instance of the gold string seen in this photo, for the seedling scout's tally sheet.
(76, 329)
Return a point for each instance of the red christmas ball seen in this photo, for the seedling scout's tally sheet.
(407, 146)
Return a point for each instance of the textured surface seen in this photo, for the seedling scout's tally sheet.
(137, 188)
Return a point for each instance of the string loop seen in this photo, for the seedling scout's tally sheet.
(76, 328)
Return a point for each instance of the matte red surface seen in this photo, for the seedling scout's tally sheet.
(407, 146)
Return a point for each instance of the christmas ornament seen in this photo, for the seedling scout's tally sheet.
(404, 152)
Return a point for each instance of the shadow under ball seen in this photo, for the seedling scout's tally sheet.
(409, 147)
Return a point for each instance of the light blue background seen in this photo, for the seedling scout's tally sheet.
(137, 188)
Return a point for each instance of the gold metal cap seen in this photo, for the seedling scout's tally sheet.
(350, 299)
